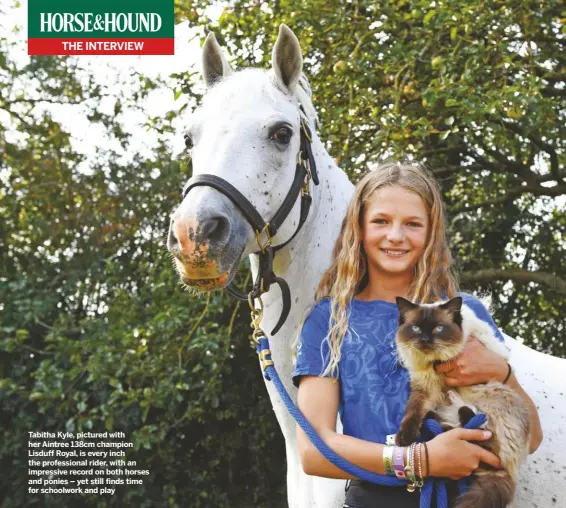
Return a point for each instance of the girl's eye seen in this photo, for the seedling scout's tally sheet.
(379, 221)
(282, 135)
(416, 329)
(439, 329)
(415, 224)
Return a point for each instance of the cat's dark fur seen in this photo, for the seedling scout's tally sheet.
(429, 333)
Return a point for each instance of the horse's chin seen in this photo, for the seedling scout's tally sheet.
(204, 275)
(208, 284)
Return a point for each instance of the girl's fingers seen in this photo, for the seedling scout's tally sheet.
(474, 434)
(489, 458)
(444, 367)
(451, 381)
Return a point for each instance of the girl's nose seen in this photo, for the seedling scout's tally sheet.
(395, 233)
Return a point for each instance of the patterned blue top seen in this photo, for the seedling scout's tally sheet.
(374, 387)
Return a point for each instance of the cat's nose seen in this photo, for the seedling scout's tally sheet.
(426, 339)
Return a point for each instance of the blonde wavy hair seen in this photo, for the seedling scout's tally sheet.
(434, 277)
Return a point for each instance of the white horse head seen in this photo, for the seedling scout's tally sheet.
(247, 131)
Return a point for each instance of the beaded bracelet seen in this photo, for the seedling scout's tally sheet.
(410, 468)
(420, 482)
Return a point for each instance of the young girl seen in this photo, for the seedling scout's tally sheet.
(392, 243)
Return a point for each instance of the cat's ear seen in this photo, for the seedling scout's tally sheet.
(405, 305)
(454, 305)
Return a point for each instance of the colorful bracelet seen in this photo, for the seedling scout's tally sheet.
(399, 462)
(414, 462)
(388, 460)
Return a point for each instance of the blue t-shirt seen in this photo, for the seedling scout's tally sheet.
(374, 387)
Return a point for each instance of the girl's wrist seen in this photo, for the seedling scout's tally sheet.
(497, 373)
(429, 458)
(426, 464)
(503, 371)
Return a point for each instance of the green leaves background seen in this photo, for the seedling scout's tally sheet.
(96, 330)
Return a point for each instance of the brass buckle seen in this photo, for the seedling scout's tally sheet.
(257, 334)
(268, 240)
(263, 358)
(256, 317)
(304, 126)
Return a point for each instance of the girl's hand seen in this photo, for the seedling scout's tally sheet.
(475, 365)
(452, 456)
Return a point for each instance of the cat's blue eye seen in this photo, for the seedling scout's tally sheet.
(416, 329)
(439, 329)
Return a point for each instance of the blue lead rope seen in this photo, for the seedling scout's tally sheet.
(432, 426)
(431, 429)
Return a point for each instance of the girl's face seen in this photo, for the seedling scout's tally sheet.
(395, 230)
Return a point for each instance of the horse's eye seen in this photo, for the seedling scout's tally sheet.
(416, 329)
(439, 329)
(282, 135)
(188, 141)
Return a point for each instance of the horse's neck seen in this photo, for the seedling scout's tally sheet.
(303, 261)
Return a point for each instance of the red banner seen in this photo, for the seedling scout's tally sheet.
(101, 46)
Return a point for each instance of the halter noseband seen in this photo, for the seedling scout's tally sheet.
(265, 231)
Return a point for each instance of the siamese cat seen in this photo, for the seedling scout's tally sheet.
(430, 333)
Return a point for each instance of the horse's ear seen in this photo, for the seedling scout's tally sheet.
(214, 63)
(286, 59)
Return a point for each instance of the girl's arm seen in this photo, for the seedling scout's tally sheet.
(477, 364)
(536, 429)
(451, 455)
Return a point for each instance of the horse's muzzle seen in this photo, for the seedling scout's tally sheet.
(196, 247)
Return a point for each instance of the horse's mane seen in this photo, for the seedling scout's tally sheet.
(303, 93)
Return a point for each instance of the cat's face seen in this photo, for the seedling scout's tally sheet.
(429, 332)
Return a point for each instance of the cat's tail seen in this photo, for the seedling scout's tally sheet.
(493, 489)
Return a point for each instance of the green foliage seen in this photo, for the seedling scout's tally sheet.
(97, 333)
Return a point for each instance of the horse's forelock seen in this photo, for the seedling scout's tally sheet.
(242, 82)
(237, 84)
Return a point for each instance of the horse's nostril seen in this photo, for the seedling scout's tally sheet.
(190, 237)
(213, 229)
(172, 243)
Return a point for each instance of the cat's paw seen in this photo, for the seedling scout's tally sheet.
(408, 433)
(433, 415)
(465, 414)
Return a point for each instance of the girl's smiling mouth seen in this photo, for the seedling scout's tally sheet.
(394, 252)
